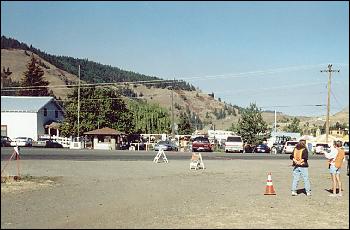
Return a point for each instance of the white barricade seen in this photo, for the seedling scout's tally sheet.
(159, 155)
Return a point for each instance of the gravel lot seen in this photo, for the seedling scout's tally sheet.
(143, 194)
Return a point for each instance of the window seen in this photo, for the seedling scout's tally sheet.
(3, 130)
(56, 113)
(45, 112)
(234, 139)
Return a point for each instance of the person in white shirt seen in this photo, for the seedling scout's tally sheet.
(334, 171)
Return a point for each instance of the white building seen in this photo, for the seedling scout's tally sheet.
(29, 116)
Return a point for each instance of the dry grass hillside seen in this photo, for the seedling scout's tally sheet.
(198, 102)
(341, 117)
(17, 60)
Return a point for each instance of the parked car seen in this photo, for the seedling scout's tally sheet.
(53, 144)
(124, 145)
(201, 144)
(346, 147)
(248, 148)
(41, 142)
(320, 148)
(166, 146)
(278, 145)
(234, 144)
(289, 147)
(261, 148)
(138, 145)
(22, 141)
(46, 143)
(5, 141)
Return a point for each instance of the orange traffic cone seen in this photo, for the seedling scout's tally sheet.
(269, 187)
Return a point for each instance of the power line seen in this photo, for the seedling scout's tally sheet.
(253, 73)
(89, 84)
(287, 106)
(258, 72)
(335, 98)
(275, 87)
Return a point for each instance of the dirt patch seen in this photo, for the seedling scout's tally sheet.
(12, 184)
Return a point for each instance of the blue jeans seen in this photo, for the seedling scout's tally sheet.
(304, 172)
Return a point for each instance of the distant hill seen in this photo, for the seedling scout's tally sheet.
(92, 72)
(200, 104)
(342, 117)
(16, 61)
(208, 109)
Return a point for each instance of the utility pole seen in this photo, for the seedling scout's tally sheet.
(172, 110)
(275, 123)
(78, 99)
(329, 70)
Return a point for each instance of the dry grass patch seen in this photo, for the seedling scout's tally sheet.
(26, 182)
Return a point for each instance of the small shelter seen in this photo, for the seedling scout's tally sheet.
(52, 128)
(105, 138)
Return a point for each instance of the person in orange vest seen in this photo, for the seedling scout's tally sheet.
(336, 158)
(300, 167)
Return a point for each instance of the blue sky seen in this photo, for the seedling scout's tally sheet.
(268, 53)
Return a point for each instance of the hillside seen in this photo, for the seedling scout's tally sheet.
(341, 117)
(92, 72)
(16, 61)
(195, 101)
(199, 103)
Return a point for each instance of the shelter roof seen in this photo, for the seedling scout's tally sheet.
(52, 124)
(103, 131)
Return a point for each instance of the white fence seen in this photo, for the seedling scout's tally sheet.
(64, 141)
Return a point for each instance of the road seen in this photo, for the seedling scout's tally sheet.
(28, 153)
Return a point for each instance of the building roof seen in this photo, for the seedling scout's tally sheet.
(52, 124)
(23, 104)
(103, 131)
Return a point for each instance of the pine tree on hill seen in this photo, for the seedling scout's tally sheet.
(33, 77)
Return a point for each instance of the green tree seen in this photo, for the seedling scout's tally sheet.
(234, 128)
(33, 78)
(251, 125)
(99, 107)
(149, 118)
(294, 126)
(185, 126)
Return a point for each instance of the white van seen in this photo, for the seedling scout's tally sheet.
(289, 147)
(234, 144)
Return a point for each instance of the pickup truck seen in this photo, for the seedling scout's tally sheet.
(201, 144)
(234, 144)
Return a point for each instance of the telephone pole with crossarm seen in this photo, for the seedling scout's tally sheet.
(330, 71)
